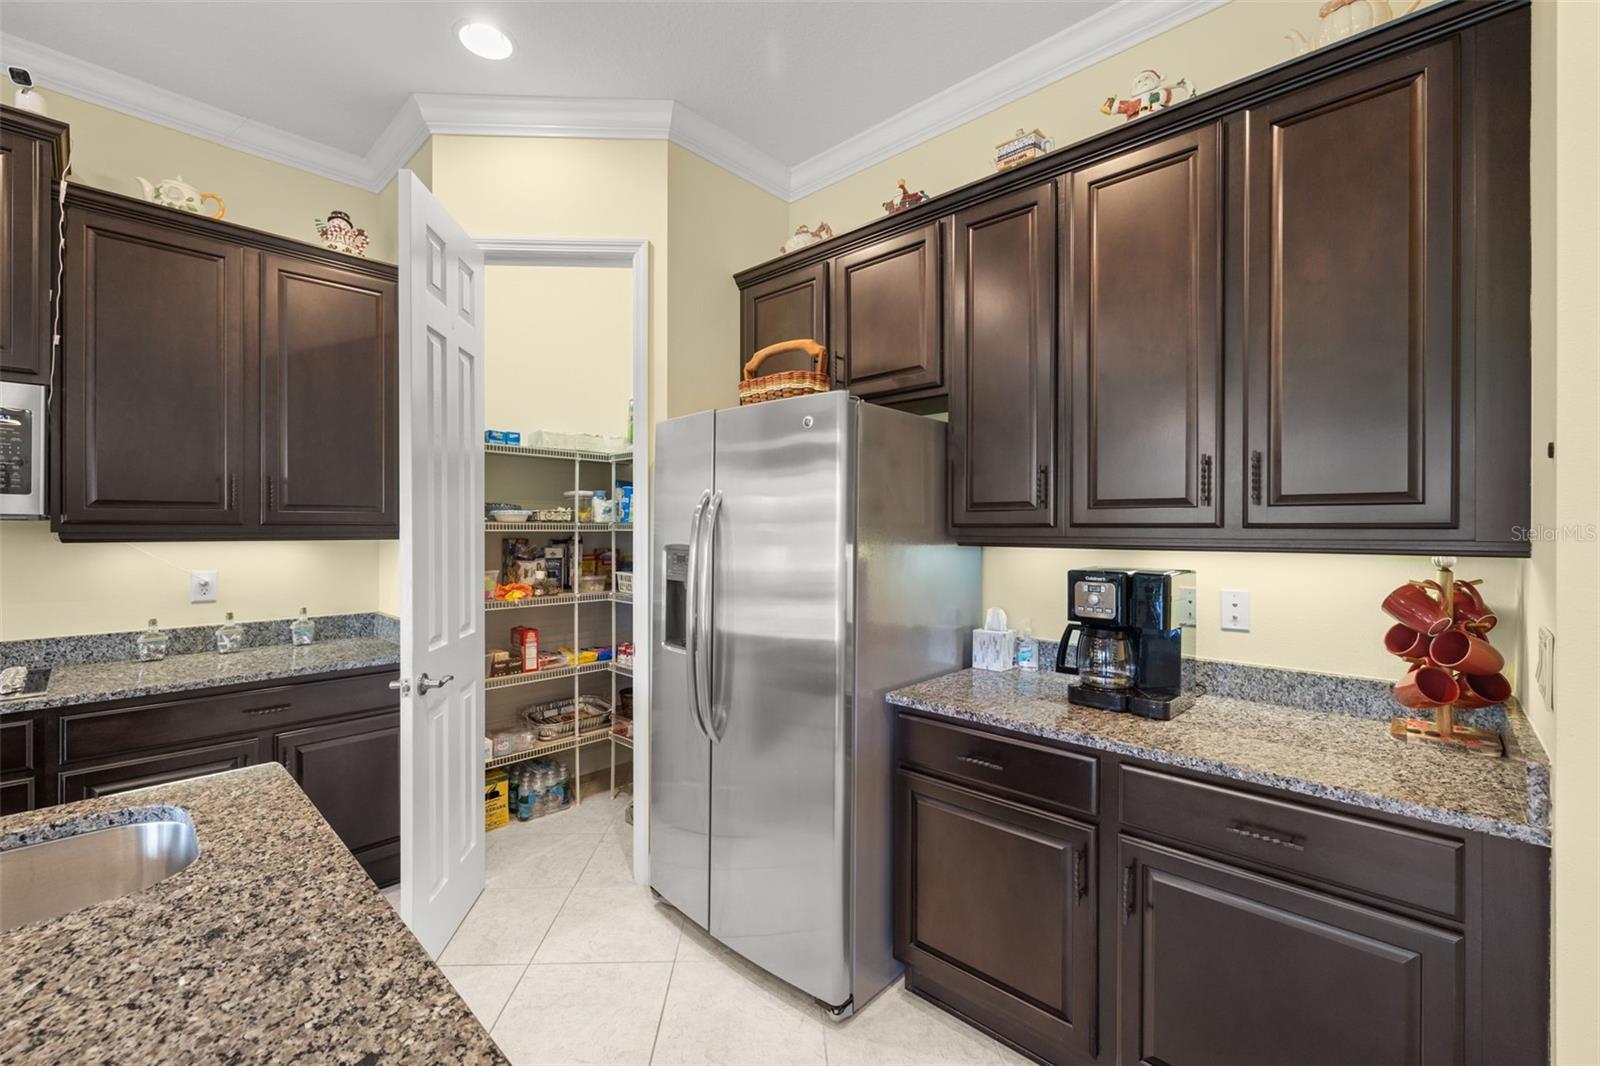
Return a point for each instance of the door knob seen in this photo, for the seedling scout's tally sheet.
(426, 684)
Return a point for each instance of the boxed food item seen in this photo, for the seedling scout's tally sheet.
(525, 645)
(503, 436)
(496, 811)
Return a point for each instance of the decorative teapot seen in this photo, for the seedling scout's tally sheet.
(179, 195)
(1150, 93)
(805, 237)
(1342, 18)
(339, 234)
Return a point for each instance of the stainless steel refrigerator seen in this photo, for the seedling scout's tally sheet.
(802, 571)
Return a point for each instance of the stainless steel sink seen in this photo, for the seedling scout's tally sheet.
(47, 880)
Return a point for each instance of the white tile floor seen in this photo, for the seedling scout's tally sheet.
(565, 960)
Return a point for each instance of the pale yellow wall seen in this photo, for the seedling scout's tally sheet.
(110, 150)
(1307, 612)
(1567, 43)
(718, 224)
(1221, 46)
(52, 589)
(558, 349)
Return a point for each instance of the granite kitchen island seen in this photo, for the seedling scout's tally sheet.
(273, 946)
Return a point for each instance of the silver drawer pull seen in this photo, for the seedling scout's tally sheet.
(1266, 836)
(987, 764)
(276, 708)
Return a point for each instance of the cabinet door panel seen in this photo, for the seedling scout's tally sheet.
(1351, 320)
(997, 900)
(154, 375)
(351, 773)
(887, 313)
(1145, 327)
(161, 768)
(1002, 362)
(788, 307)
(26, 166)
(329, 368)
(1227, 968)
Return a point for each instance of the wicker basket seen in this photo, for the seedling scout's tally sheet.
(786, 383)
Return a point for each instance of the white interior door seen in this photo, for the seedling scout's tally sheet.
(441, 594)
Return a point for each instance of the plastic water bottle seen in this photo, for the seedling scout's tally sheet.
(1027, 649)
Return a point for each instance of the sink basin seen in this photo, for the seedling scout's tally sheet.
(42, 881)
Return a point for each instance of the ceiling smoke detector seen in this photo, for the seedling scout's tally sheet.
(484, 40)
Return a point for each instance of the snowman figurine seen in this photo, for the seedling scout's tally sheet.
(1150, 93)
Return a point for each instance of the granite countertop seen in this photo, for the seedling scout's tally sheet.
(96, 682)
(1342, 757)
(273, 946)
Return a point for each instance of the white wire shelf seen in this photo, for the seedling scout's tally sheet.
(552, 747)
(549, 673)
(565, 598)
(529, 452)
(557, 527)
(621, 671)
(618, 738)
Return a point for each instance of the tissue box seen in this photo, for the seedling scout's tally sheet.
(994, 649)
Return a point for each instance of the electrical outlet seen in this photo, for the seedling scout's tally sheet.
(202, 586)
(1236, 610)
(1545, 674)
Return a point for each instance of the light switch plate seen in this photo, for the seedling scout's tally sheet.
(1236, 610)
(202, 586)
(1545, 673)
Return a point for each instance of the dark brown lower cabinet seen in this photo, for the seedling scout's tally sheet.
(1224, 967)
(351, 772)
(161, 768)
(995, 903)
(17, 794)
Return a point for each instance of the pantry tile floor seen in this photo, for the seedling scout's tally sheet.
(565, 960)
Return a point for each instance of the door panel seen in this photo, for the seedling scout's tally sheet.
(351, 772)
(888, 313)
(680, 752)
(1351, 363)
(153, 375)
(27, 164)
(780, 551)
(162, 768)
(441, 537)
(1227, 968)
(1003, 362)
(787, 307)
(328, 395)
(1145, 327)
(997, 901)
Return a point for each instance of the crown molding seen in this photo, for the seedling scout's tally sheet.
(1102, 35)
(1116, 28)
(97, 85)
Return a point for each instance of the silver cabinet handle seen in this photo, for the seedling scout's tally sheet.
(426, 684)
(706, 617)
(692, 613)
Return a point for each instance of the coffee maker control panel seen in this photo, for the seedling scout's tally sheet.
(1094, 600)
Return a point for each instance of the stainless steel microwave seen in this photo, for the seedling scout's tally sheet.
(22, 414)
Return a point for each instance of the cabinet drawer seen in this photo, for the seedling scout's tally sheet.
(162, 768)
(1030, 772)
(17, 795)
(16, 747)
(1379, 860)
(171, 722)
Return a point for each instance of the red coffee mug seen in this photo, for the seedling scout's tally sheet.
(1406, 642)
(1458, 650)
(1412, 605)
(1471, 612)
(1427, 686)
(1483, 690)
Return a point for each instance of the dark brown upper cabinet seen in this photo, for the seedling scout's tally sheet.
(33, 150)
(888, 315)
(791, 306)
(328, 388)
(153, 423)
(220, 382)
(1351, 328)
(1144, 325)
(1204, 976)
(1003, 362)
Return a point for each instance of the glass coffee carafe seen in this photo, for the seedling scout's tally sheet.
(1105, 658)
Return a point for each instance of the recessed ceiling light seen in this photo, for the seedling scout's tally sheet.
(482, 39)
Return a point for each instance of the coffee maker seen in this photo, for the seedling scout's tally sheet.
(1127, 635)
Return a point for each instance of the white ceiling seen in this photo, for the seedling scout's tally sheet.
(788, 81)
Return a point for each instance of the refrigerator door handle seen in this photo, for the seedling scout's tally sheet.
(692, 613)
(705, 618)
